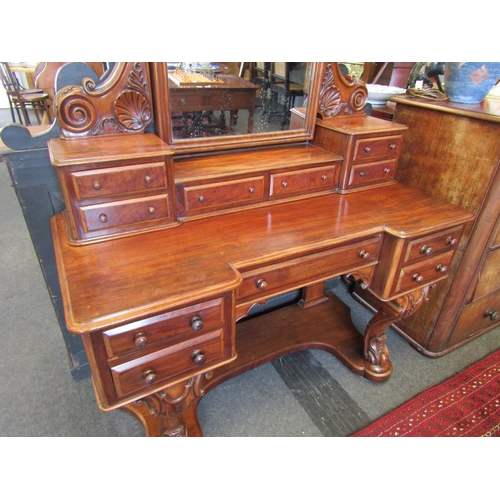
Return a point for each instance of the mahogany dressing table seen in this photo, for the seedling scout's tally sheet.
(164, 250)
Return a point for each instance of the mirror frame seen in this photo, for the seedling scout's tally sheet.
(161, 102)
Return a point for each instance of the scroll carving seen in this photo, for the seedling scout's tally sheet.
(340, 95)
(121, 103)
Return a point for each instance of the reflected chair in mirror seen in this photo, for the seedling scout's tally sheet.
(21, 100)
(284, 91)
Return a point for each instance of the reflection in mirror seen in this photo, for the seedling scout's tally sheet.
(225, 99)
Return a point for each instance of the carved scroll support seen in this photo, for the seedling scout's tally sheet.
(378, 366)
(171, 412)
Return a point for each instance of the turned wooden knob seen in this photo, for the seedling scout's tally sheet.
(368, 150)
(140, 340)
(197, 323)
(426, 250)
(251, 190)
(324, 177)
(151, 210)
(103, 218)
(201, 198)
(387, 170)
(149, 376)
(198, 358)
(392, 146)
(492, 314)
(97, 185)
(441, 269)
(148, 179)
(284, 184)
(418, 278)
(452, 242)
(261, 284)
(361, 174)
(364, 254)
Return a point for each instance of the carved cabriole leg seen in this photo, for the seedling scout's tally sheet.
(378, 366)
(171, 412)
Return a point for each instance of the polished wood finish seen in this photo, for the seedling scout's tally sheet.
(166, 314)
(452, 152)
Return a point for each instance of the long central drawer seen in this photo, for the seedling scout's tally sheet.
(295, 273)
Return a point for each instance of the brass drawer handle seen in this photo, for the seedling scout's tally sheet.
(198, 357)
(197, 323)
(426, 250)
(494, 315)
(441, 269)
(364, 254)
(103, 218)
(149, 376)
(261, 284)
(418, 278)
(97, 185)
(140, 340)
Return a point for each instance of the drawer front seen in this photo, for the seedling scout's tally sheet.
(377, 147)
(106, 215)
(433, 244)
(105, 182)
(220, 194)
(489, 279)
(181, 323)
(277, 278)
(285, 183)
(183, 359)
(233, 100)
(423, 273)
(482, 314)
(187, 100)
(369, 173)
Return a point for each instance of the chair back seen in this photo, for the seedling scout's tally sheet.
(9, 81)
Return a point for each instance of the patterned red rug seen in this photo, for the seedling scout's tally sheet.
(466, 405)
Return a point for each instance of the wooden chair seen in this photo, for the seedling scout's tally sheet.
(282, 86)
(22, 100)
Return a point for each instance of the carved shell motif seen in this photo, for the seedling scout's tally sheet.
(132, 110)
(330, 98)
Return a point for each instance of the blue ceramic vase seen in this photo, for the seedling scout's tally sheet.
(470, 82)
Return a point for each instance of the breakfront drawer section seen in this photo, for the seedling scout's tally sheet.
(369, 173)
(89, 184)
(277, 278)
(434, 244)
(376, 148)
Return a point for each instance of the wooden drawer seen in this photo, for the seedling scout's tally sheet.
(482, 314)
(370, 173)
(489, 278)
(100, 183)
(293, 182)
(432, 244)
(221, 194)
(120, 213)
(377, 147)
(423, 273)
(189, 357)
(294, 273)
(170, 326)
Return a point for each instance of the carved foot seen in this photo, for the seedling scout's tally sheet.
(172, 411)
(378, 367)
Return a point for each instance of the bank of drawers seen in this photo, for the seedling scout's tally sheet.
(273, 279)
(426, 260)
(219, 194)
(147, 353)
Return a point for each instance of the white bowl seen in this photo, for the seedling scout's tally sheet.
(378, 95)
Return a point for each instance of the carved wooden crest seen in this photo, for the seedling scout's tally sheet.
(121, 103)
(339, 94)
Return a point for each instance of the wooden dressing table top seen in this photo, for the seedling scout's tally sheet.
(111, 282)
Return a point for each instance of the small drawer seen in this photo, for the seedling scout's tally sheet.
(312, 179)
(120, 213)
(220, 194)
(183, 359)
(433, 244)
(187, 100)
(278, 278)
(369, 173)
(423, 273)
(100, 183)
(188, 321)
(482, 314)
(377, 147)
